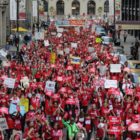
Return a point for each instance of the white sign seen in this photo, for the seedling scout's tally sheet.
(50, 86)
(34, 8)
(74, 45)
(110, 84)
(13, 10)
(59, 35)
(46, 43)
(22, 11)
(9, 82)
(67, 50)
(90, 49)
(3, 124)
(115, 68)
(39, 35)
(60, 30)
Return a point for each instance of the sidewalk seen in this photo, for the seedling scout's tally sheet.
(130, 39)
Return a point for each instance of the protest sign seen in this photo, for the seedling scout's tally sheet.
(4, 110)
(74, 45)
(12, 108)
(9, 82)
(114, 120)
(46, 43)
(115, 68)
(67, 50)
(24, 102)
(59, 35)
(22, 110)
(75, 60)
(53, 57)
(110, 84)
(50, 86)
(3, 124)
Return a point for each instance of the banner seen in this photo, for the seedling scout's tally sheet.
(110, 84)
(9, 82)
(74, 45)
(22, 10)
(39, 35)
(34, 8)
(50, 86)
(13, 10)
(115, 68)
(3, 124)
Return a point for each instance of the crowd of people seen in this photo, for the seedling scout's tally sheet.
(60, 93)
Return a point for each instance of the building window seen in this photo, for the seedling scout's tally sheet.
(60, 7)
(91, 6)
(75, 7)
(106, 6)
(45, 6)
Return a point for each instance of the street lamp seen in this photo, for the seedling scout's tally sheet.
(114, 19)
(17, 43)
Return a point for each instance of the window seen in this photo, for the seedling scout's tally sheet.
(106, 6)
(75, 7)
(91, 6)
(60, 7)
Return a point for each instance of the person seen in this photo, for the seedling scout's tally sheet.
(125, 36)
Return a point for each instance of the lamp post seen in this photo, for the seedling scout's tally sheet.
(114, 19)
(17, 20)
(38, 14)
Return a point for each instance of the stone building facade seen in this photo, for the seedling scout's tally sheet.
(3, 22)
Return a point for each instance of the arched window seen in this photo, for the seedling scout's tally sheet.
(60, 7)
(106, 6)
(45, 6)
(91, 6)
(75, 7)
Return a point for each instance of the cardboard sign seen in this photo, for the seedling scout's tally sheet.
(9, 82)
(115, 68)
(74, 45)
(50, 86)
(111, 84)
(3, 124)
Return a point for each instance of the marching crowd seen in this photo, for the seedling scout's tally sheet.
(60, 91)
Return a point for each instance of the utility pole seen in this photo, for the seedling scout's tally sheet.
(38, 14)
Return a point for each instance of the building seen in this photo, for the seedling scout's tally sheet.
(78, 7)
(130, 16)
(3, 21)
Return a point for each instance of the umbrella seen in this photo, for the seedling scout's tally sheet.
(20, 29)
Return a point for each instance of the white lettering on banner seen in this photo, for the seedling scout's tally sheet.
(50, 86)
(115, 68)
(111, 84)
(9, 82)
(3, 124)
(74, 45)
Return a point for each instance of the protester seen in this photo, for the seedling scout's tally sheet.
(68, 88)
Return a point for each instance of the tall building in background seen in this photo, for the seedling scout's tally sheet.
(130, 16)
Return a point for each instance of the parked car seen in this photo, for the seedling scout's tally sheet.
(106, 40)
(99, 30)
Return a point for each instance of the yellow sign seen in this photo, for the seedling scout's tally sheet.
(98, 40)
(53, 57)
(24, 102)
